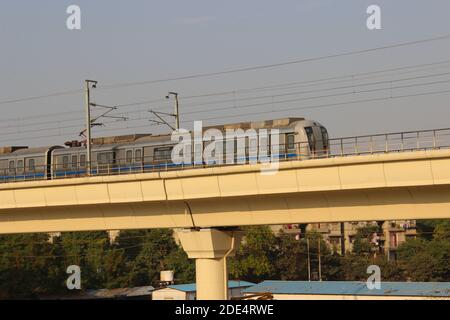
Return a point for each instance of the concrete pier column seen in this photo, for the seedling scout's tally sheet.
(210, 249)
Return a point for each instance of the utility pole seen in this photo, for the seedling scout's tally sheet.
(309, 260)
(88, 84)
(176, 111)
(320, 262)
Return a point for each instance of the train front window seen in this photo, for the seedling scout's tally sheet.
(311, 141)
(324, 137)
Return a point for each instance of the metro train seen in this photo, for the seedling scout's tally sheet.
(299, 138)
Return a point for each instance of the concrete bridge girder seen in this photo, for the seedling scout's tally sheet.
(410, 185)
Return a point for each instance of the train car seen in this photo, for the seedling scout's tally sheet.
(115, 155)
(298, 139)
(23, 163)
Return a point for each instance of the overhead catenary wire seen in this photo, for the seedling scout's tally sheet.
(231, 71)
(276, 65)
(318, 106)
(22, 120)
(260, 97)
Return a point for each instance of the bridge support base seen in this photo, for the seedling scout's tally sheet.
(210, 249)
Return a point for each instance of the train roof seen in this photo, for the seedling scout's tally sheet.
(23, 151)
(148, 138)
(263, 124)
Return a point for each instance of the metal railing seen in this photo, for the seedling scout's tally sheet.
(391, 142)
(337, 147)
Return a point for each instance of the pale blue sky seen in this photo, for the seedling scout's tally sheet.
(128, 41)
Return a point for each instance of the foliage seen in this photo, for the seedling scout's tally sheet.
(363, 244)
(254, 258)
(30, 265)
(27, 266)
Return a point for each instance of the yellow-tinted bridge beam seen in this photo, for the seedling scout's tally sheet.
(393, 186)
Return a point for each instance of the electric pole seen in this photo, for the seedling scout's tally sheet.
(176, 111)
(320, 262)
(88, 85)
(309, 260)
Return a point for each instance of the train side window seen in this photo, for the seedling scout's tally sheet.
(82, 160)
(31, 165)
(162, 153)
(129, 156)
(74, 161)
(105, 158)
(65, 162)
(138, 155)
(20, 165)
(11, 166)
(290, 141)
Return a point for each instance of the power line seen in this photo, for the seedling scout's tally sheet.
(322, 96)
(324, 105)
(350, 77)
(272, 111)
(275, 65)
(233, 100)
(231, 71)
(50, 95)
(325, 89)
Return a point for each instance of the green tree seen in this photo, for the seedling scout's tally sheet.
(28, 266)
(425, 260)
(88, 251)
(363, 244)
(291, 262)
(254, 260)
(441, 231)
(147, 252)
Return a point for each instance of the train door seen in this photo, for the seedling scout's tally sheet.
(50, 163)
(138, 159)
(128, 157)
(20, 167)
(290, 148)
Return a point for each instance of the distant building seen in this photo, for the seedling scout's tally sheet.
(350, 290)
(189, 291)
(340, 236)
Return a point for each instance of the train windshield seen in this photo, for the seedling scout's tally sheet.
(311, 141)
(324, 138)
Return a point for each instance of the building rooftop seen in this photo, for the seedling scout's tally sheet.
(425, 289)
(191, 287)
